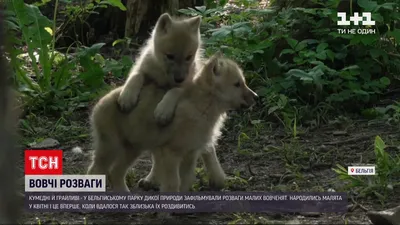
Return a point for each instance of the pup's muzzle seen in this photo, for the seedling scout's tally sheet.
(179, 76)
(249, 97)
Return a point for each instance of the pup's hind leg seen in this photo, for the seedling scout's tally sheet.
(215, 172)
(103, 157)
(122, 163)
(150, 182)
(167, 174)
(187, 171)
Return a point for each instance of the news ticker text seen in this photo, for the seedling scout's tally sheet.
(185, 202)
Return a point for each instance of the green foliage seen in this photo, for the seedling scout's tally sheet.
(387, 174)
(390, 113)
(298, 61)
(53, 81)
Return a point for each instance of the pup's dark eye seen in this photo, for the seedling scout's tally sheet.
(170, 56)
(237, 84)
(188, 57)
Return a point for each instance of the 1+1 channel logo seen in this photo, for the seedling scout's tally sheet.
(365, 19)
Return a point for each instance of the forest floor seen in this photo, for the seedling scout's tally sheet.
(268, 159)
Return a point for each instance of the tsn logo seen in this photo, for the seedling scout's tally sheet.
(43, 162)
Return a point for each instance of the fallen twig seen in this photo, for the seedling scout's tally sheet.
(347, 141)
(249, 168)
(356, 204)
(355, 139)
(317, 166)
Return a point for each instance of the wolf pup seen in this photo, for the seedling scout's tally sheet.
(199, 115)
(171, 56)
(167, 58)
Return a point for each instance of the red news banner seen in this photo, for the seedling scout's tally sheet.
(48, 189)
(43, 162)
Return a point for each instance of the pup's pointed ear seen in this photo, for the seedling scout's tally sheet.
(213, 65)
(219, 54)
(194, 23)
(164, 23)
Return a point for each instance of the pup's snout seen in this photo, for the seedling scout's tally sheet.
(179, 74)
(250, 97)
(179, 79)
(249, 101)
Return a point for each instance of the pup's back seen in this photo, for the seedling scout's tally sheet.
(137, 128)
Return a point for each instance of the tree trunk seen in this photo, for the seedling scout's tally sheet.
(9, 204)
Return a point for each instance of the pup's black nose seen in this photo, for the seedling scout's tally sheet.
(179, 80)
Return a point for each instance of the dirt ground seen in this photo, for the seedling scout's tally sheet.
(266, 158)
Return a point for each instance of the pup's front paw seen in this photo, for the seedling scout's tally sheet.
(217, 182)
(127, 100)
(163, 113)
(146, 185)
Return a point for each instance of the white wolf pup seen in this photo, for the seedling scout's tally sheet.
(171, 54)
(170, 57)
(199, 115)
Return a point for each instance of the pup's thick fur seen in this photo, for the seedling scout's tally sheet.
(170, 58)
(121, 138)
